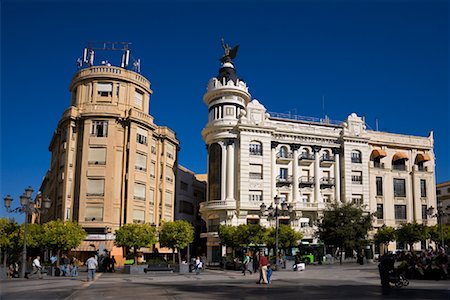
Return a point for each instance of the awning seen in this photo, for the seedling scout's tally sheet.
(423, 157)
(378, 153)
(400, 155)
(94, 246)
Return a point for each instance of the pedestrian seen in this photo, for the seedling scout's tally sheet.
(37, 267)
(113, 263)
(255, 262)
(263, 262)
(269, 273)
(198, 265)
(75, 264)
(91, 264)
(245, 264)
(65, 265)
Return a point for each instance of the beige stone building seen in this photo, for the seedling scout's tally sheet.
(255, 155)
(443, 198)
(110, 163)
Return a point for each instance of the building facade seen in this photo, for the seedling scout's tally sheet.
(190, 192)
(110, 163)
(443, 199)
(254, 155)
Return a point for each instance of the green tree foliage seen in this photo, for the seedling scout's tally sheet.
(248, 234)
(176, 235)
(435, 233)
(384, 236)
(344, 226)
(9, 238)
(287, 237)
(411, 233)
(62, 235)
(228, 236)
(135, 236)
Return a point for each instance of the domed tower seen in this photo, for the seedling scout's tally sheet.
(227, 97)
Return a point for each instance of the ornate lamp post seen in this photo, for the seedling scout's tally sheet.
(439, 214)
(27, 206)
(275, 212)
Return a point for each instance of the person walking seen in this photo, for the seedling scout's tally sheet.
(113, 263)
(263, 262)
(37, 267)
(91, 264)
(75, 265)
(198, 265)
(245, 264)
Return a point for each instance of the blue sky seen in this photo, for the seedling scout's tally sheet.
(385, 60)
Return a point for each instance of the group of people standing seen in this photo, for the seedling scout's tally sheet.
(261, 264)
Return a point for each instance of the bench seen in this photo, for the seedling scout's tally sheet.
(162, 267)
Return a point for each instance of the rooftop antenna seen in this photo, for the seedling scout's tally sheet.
(89, 53)
(376, 124)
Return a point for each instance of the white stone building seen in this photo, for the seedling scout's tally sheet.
(254, 156)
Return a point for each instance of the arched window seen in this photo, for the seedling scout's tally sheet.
(356, 157)
(283, 151)
(326, 154)
(214, 172)
(255, 148)
(421, 159)
(399, 161)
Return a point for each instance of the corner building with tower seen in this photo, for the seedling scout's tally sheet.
(254, 156)
(110, 163)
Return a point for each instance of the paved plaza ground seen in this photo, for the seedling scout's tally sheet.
(347, 281)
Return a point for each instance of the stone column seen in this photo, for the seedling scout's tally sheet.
(295, 176)
(337, 175)
(223, 180)
(317, 175)
(230, 170)
(273, 146)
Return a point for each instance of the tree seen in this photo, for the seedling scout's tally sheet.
(228, 236)
(247, 234)
(384, 236)
(287, 237)
(435, 233)
(135, 236)
(344, 226)
(9, 238)
(62, 235)
(176, 235)
(411, 233)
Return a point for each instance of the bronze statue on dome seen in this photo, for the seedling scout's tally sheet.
(229, 53)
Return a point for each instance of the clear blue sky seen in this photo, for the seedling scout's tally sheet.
(380, 59)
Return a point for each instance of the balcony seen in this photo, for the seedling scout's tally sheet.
(378, 165)
(284, 180)
(422, 168)
(326, 182)
(326, 161)
(217, 205)
(306, 159)
(255, 175)
(306, 181)
(284, 157)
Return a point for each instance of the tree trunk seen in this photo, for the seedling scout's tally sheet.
(4, 258)
(135, 255)
(173, 255)
(340, 255)
(179, 256)
(57, 258)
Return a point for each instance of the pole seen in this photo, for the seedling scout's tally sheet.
(276, 236)
(24, 250)
(441, 228)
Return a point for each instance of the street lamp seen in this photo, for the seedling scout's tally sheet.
(275, 212)
(439, 214)
(27, 206)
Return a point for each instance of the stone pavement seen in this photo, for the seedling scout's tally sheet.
(348, 281)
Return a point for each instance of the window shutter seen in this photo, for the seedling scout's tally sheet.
(141, 161)
(139, 190)
(94, 212)
(95, 186)
(138, 99)
(104, 87)
(97, 155)
(138, 215)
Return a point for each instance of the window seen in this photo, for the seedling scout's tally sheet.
(283, 173)
(357, 177)
(327, 198)
(399, 164)
(151, 197)
(184, 186)
(229, 111)
(356, 157)
(94, 214)
(141, 136)
(400, 212)
(186, 208)
(138, 99)
(141, 162)
(152, 169)
(99, 128)
(97, 156)
(424, 212)
(326, 155)
(139, 191)
(168, 199)
(255, 196)
(255, 148)
(399, 187)
(305, 198)
(377, 163)
(138, 216)
(104, 89)
(252, 221)
(95, 187)
(423, 188)
(283, 152)
(357, 199)
(380, 213)
(170, 151)
(438, 192)
(255, 171)
(379, 185)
